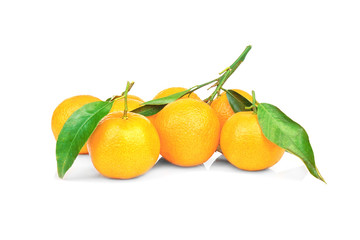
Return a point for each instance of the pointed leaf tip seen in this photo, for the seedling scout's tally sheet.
(237, 101)
(284, 132)
(76, 131)
(148, 110)
(168, 99)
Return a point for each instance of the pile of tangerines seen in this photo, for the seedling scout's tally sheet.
(127, 139)
(186, 133)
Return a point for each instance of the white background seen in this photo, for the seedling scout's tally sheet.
(305, 60)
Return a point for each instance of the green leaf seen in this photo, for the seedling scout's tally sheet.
(148, 110)
(284, 132)
(169, 99)
(76, 131)
(237, 102)
(154, 106)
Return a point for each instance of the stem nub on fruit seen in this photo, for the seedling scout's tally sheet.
(253, 106)
(125, 94)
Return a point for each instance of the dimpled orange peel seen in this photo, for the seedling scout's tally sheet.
(222, 107)
(189, 132)
(124, 148)
(169, 91)
(244, 145)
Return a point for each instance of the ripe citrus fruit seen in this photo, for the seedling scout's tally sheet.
(244, 145)
(65, 109)
(222, 107)
(119, 104)
(124, 148)
(168, 92)
(189, 132)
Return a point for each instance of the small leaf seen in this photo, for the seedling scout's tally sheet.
(148, 110)
(284, 132)
(154, 106)
(76, 131)
(237, 101)
(165, 100)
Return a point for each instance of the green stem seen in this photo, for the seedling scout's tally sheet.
(227, 73)
(115, 97)
(125, 94)
(254, 103)
(194, 88)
